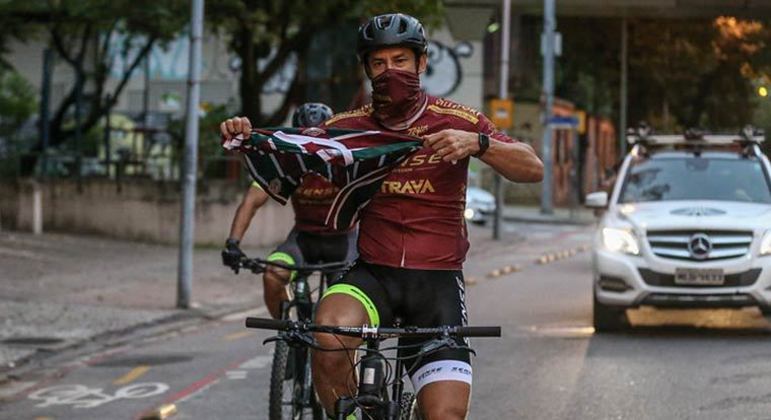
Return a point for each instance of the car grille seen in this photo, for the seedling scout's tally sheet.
(699, 301)
(743, 279)
(680, 244)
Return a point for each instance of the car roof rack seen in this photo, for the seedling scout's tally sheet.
(643, 135)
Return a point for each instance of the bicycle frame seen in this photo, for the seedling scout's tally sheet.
(303, 395)
(372, 390)
(305, 306)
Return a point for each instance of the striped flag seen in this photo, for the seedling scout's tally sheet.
(356, 161)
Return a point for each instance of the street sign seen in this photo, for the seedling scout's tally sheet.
(581, 122)
(502, 113)
(563, 122)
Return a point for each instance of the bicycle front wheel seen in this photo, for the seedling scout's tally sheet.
(408, 409)
(288, 397)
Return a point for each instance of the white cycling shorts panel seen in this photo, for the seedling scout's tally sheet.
(443, 370)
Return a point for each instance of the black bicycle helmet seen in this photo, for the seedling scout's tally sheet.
(391, 30)
(311, 114)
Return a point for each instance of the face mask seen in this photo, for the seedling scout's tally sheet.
(397, 99)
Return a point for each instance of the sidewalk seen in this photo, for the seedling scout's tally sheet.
(59, 291)
(563, 216)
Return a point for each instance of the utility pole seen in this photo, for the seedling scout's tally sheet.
(187, 225)
(503, 93)
(45, 94)
(549, 26)
(623, 123)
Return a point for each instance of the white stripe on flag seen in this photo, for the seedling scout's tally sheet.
(278, 167)
(299, 140)
(301, 162)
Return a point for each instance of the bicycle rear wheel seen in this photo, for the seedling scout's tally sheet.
(287, 380)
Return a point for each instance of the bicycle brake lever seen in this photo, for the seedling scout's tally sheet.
(271, 339)
(297, 339)
(436, 345)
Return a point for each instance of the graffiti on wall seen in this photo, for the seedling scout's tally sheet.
(444, 73)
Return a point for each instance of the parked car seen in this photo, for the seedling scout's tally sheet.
(480, 205)
(688, 225)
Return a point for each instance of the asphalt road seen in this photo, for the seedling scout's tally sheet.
(548, 365)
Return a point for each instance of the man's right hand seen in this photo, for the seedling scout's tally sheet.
(235, 126)
(232, 255)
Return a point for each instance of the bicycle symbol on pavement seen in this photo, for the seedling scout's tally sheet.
(81, 396)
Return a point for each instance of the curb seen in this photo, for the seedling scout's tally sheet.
(180, 319)
(549, 220)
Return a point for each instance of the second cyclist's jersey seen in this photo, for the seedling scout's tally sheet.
(311, 202)
(416, 219)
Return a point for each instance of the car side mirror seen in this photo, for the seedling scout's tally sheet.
(597, 200)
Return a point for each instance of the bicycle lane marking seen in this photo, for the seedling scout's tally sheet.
(81, 396)
(196, 388)
(64, 371)
(132, 375)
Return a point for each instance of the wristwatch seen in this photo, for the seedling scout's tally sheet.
(484, 144)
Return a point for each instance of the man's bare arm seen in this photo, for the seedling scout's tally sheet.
(516, 161)
(253, 199)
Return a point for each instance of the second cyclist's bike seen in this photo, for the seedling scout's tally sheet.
(291, 388)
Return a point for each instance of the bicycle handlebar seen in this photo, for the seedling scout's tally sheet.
(378, 332)
(258, 265)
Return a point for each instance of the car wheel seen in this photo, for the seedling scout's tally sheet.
(609, 318)
(765, 310)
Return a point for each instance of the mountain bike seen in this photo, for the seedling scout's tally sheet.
(376, 371)
(291, 387)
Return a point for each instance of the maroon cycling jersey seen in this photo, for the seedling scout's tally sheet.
(311, 202)
(416, 219)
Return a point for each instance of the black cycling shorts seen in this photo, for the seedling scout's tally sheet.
(422, 298)
(301, 248)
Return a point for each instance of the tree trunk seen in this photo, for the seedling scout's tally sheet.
(250, 93)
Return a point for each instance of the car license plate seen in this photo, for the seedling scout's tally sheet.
(699, 276)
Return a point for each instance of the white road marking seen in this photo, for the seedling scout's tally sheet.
(258, 362)
(236, 374)
(81, 396)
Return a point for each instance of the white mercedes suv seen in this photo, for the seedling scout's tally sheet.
(688, 224)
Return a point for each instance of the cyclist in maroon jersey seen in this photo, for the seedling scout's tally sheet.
(412, 235)
(413, 238)
(310, 241)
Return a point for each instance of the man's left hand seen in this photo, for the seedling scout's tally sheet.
(453, 145)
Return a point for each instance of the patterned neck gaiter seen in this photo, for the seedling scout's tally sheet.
(397, 98)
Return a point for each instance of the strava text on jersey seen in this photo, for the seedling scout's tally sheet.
(416, 218)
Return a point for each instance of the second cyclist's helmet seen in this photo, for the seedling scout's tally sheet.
(391, 30)
(311, 114)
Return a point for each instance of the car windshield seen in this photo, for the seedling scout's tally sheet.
(696, 178)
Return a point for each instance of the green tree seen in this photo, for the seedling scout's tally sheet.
(83, 34)
(682, 73)
(274, 30)
(17, 102)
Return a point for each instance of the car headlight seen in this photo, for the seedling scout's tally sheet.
(765, 244)
(468, 214)
(620, 240)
